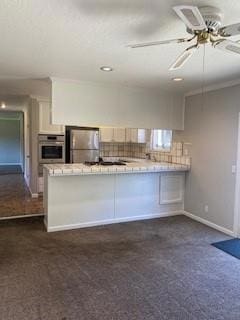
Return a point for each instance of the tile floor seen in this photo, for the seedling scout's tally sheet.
(15, 198)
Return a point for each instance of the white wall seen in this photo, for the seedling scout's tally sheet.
(211, 125)
(94, 104)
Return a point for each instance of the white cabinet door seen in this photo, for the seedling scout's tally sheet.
(137, 135)
(112, 134)
(119, 134)
(45, 123)
(142, 135)
(132, 135)
(171, 188)
(128, 135)
(106, 134)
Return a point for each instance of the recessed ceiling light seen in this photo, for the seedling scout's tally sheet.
(177, 79)
(107, 69)
(3, 106)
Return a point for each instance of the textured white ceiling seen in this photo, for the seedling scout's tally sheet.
(73, 38)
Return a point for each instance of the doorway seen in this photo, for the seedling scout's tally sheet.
(15, 197)
(11, 142)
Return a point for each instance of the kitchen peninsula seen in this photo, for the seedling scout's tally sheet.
(77, 195)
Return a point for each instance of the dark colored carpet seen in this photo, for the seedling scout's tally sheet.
(154, 270)
(10, 169)
(231, 247)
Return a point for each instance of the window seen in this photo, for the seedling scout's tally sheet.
(161, 140)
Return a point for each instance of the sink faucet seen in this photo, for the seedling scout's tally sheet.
(148, 156)
(154, 158)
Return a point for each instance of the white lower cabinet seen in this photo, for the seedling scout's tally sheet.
(82, 201)
(171, 188)
(137, 195)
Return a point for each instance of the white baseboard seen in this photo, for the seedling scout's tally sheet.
(22, 216)
(209, 223)
(10, 164)
(110, 221)
(34, 195)
(45, 222)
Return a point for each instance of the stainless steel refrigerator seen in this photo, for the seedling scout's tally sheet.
(83, 144)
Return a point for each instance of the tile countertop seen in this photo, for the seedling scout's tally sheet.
(130, 167)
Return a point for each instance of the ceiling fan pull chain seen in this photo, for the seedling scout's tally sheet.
(203, 75)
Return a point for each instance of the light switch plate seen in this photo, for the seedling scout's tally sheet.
(234, 168)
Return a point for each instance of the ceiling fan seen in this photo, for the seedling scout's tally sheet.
(204, 24)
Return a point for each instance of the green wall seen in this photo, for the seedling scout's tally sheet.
(10, 152)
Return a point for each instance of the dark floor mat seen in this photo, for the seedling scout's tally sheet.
(10, 169)
(231, 247)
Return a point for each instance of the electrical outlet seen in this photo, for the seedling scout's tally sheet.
(206, 208)
(234, 169)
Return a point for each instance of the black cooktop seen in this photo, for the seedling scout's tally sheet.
(105, 163)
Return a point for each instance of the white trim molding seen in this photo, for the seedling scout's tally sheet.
(236, 225)
(213, 87)
(22, 216)
(33, 195)
(208, 223)
(10, 164)
(110, 221)
(41, 99)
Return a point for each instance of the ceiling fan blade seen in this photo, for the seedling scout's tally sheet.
(229, 46)
(183, 58)
(231, 30)
(157, 43)
(191, 16)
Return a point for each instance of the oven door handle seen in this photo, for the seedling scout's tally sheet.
(51, 144)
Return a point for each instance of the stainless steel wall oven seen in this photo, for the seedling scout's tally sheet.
(51, 149)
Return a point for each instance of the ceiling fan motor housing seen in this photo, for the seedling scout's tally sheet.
(213, 18)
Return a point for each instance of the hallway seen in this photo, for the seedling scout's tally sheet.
(15, 198)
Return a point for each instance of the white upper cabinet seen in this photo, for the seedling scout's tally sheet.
(119, 134)
(137, 135)
(106, 134)
(112, 135)
(124, 135)
(131, 135)
(45, 121)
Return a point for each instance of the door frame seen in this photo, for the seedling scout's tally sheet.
(236, 223)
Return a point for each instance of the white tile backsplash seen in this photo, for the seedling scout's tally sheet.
(137, 150)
